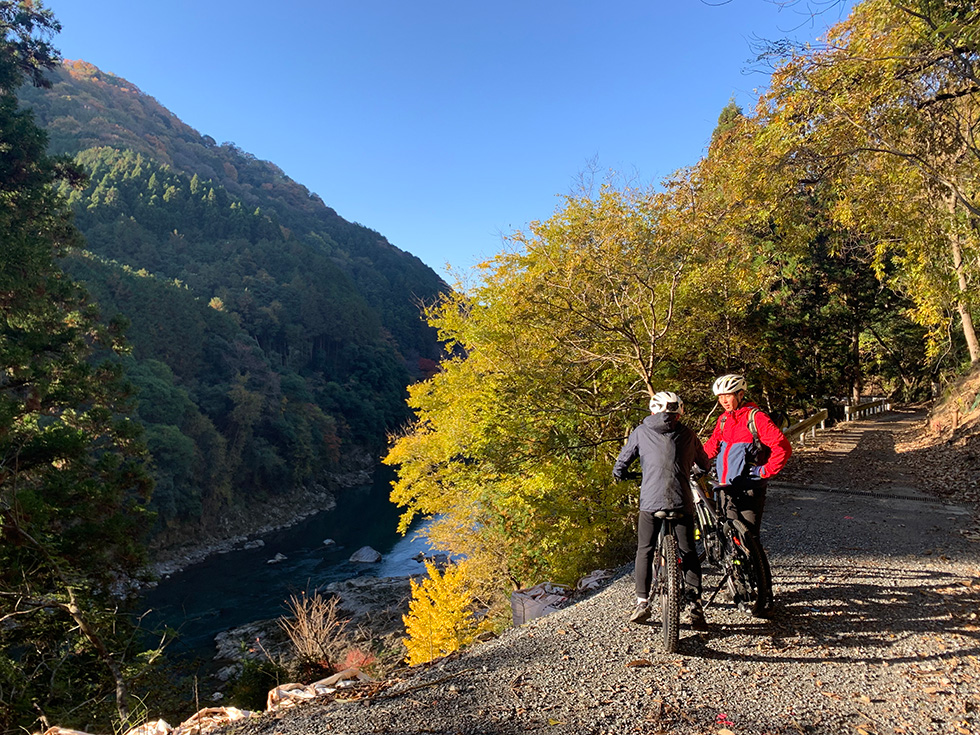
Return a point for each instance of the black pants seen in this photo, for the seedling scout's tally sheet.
(744, 501)
(648, 528)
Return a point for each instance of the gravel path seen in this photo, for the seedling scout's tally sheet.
(875, 632)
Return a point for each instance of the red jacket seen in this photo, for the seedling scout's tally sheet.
(731, 445)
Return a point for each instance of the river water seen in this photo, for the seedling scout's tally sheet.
(228, 590)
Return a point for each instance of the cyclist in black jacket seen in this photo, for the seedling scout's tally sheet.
(667, 449)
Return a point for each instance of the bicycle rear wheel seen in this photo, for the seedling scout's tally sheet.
(670, 592)
(750, 576)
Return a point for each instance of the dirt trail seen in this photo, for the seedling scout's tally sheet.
(875, 630)
(892, 455)
(861, 455)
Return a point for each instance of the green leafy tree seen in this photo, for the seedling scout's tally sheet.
(72, 478)
(800, 297)
(887, 112)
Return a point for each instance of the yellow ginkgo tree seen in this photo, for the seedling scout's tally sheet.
(441, 616)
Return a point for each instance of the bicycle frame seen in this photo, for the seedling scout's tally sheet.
(709, 535)
(728, 545)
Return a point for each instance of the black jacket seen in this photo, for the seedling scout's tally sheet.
(666, 456)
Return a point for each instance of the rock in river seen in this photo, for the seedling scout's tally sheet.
(366, 555)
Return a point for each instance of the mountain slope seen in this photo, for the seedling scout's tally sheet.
(272, 339)
(87, 108)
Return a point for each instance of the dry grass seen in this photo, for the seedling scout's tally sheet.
(317, 631)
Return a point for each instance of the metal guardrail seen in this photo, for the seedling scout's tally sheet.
(852, 413)
(798, 431)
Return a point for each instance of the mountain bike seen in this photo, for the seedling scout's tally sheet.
(668, 577)
(731, 547)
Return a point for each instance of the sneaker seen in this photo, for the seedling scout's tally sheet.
(694, 616)
(641, 613)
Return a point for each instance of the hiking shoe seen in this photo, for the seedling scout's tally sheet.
(641, 613)
(694, 616)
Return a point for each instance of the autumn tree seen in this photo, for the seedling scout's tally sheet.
(552, 359)
(887, 113)
(441, 616)
(755, 259)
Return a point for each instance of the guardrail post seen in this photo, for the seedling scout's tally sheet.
(798, 431)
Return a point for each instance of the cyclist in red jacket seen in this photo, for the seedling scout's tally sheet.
(748, 449)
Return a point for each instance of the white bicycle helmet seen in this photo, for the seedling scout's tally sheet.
(666, 402)
(729, 384)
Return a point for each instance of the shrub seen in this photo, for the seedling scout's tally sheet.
(251, 689)
(440, 616)
(317, 633)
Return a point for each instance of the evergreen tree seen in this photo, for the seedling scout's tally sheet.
(72, 481)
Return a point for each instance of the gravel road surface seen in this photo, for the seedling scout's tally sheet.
(875, 631)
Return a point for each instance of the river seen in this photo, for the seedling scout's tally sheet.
(228, 590)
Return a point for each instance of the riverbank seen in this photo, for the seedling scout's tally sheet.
(254, 582)
(371, 609)
(236, 528)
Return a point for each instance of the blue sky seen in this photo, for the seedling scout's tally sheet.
(444, 125)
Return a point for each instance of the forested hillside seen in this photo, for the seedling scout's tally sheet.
(73, 474)
(270, 336)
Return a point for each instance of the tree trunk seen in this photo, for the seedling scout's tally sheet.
(969, 331)
(122, 692)
(907, 380)
(856, 383)
(966, 319)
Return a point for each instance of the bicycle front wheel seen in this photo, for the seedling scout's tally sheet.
(707, 543)
(750, 573)
(670, 592)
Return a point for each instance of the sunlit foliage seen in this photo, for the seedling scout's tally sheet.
(441, 616)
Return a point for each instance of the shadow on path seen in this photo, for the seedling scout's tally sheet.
(849, 613)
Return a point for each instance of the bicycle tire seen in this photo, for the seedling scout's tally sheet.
(707, 541)
(670, 593)
(750, 571)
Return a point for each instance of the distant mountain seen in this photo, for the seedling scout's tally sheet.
(272, 338)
